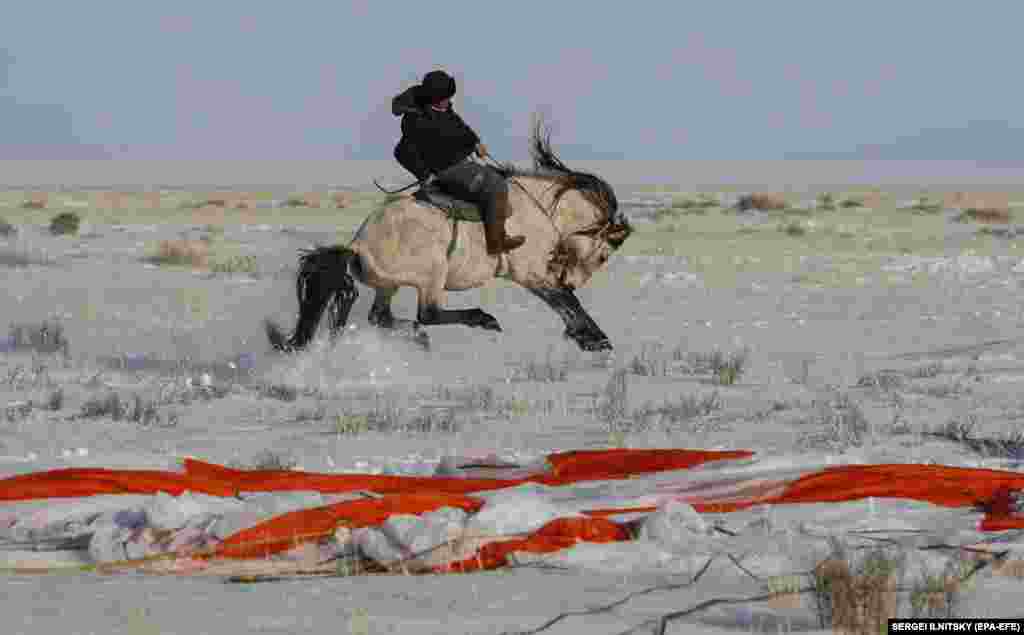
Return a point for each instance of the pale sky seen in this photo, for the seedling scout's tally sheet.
(665, 80)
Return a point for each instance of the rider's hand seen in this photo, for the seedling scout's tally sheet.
(481, 151)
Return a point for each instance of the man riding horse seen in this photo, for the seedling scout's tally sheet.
(436, 147)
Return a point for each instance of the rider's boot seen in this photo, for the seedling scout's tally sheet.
(498, 240)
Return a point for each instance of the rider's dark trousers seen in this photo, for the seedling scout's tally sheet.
(477, 183)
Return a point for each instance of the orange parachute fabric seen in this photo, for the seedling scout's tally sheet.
(556, 535)
(216, 480)
(937, 484)
(567, 467)
(990, 491)
(288, 530)
(72, 482)
(284, 532)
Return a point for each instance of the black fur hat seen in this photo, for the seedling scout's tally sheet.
(436, 85)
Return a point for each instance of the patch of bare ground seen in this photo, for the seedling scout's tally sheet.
(980, 207)
(762, 201)
(193, 253)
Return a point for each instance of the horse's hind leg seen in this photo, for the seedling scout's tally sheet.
(579, 326)
(382, 317)
(380, 312)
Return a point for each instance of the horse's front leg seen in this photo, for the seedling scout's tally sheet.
(579, 326)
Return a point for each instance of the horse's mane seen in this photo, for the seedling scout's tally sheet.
(547, 165)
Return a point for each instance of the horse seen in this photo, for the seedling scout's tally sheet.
(571, 221)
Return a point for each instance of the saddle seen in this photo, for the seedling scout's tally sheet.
(456, 208)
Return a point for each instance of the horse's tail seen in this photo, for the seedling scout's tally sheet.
(323, 282)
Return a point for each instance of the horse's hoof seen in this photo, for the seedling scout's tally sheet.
(278, 341)
(488, 322)
(404, 326)
(589, 342)
(422, 340)
(594, 346)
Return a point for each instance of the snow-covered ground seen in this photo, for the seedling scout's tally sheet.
(908, 357)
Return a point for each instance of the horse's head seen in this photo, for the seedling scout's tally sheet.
(592, 227)
(583, 253)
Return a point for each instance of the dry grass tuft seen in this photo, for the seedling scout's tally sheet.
(446, 411)
(267, 460)
(45, 337)
(936, 597)
(857, 595)
(222, 201)
(838, 423)
(702, 201)
(141, 411)
(826, 201)
(17, 411)
(309, 199)
(762, 201)
(235, 264)
(55, 401)
(195, 253)
(962, 430)
(724, 368)
(926, 205)
(793, 228)
(548, 370)
(650, 362)
(65, 223)
(281, 392)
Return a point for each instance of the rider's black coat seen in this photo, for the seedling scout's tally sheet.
(431, 141)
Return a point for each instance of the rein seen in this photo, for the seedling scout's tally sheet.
(400, 190)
